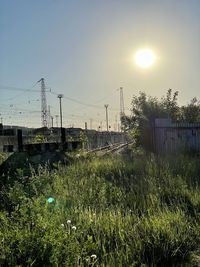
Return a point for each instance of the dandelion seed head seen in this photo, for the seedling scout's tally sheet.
(62, 224)
(69, 221)
(74, 227)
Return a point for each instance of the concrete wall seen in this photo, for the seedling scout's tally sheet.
(90, 138)
(7, 141)
(100, 139)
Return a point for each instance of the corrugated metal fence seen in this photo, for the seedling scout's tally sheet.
(170, 137)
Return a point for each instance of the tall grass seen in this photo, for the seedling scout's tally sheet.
(111, 211)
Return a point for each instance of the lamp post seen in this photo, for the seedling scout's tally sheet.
(62, 130)
(60, 96)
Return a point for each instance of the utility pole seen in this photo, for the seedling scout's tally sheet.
(60, 96)
(121, 101)
(116, 123)
(43, 103)
(52, 121)
(121, 105)
(106, 107)
(56, 121)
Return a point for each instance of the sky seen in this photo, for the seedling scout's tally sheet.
(85, 49)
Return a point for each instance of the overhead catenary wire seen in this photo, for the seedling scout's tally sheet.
(5, 87)
(14, 110)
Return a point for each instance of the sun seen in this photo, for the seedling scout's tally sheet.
(145, 58)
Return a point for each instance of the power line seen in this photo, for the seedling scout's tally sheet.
(4, 87)
(77, 101)
(11, 88)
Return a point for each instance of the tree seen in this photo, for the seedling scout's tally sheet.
(191, 112)
(145, 109)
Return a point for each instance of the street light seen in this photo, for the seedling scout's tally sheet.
(60, 96)
(62, 130)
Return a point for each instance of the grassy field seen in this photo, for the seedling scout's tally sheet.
(111, 211)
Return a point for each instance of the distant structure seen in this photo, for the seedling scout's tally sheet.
(44, 112)
(121, 106)
(121, 102)
(106, 107)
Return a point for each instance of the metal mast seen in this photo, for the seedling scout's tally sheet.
(60, 96)
(106, 106)
(43, 104)
(121, 106)
(121, 102)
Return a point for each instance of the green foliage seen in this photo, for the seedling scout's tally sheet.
(111, 211)
(3, 157)
(191, 112)
(145, 109)
(84, 140)
(39, 139)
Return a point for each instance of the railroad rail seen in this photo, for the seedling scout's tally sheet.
(111, 148)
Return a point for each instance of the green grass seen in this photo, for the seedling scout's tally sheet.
(3, 157)
(140, 211)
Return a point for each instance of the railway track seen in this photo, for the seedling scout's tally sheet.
(112, 148)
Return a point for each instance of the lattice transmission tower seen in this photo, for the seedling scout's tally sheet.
(44, 112)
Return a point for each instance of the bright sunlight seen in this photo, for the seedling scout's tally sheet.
(145, 58)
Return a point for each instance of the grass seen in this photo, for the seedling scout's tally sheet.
(3, 157)
(138, 211)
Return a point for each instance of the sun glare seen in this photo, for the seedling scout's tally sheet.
(145, 58)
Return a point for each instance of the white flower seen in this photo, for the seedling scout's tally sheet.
(62, 224)
(68, 221)
(93, 256)
(74, 227)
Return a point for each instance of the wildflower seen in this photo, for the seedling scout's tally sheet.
(62, 224)
(68, 221)
(93, 256)
(74, 227)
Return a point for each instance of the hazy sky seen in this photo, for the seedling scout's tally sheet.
(84, 49)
